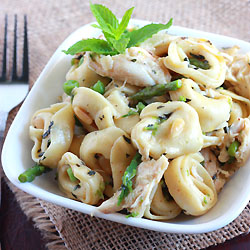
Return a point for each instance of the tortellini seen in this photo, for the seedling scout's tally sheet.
(52, 131)
(91, 107)
(95, 151)
(190, 184)
(158, 43)
(88, 187)
(97, 144)
(136, 66)
(213, 112)
(163, 206)
(178, 59)
(171, 128)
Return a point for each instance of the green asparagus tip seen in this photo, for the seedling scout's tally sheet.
(30, 174)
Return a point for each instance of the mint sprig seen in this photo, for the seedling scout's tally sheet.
(116, 34)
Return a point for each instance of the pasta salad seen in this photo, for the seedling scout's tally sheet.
(149, 122)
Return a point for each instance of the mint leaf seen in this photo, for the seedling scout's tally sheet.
(124, 23)
(120, 45)
(105, 18)
(140, 35)
(95, 45)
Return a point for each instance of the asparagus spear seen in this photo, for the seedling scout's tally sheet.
(156, 90)
(129, 174)
(30, 174)
(199, 64)
(199, 61)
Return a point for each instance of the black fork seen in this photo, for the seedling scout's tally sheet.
(14, 90)
(25, 71)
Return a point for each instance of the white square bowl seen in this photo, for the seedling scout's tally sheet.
(16, 156)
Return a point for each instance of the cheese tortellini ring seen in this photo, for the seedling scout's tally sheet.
(97, 144)
(84, 75)
(158, 43)
(178, 133)
(178, 60)
(94, 106)
(162, 208)
(213, 112)
(190, 184)
(52, 131)
(89, 185)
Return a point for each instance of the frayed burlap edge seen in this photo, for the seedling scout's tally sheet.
(34, 210)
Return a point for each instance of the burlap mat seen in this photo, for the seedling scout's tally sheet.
(50, 22)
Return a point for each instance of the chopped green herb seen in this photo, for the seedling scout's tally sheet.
(130, 112)
(139, 107)
(127, 139)
(91, 172)
(151, 127)
(81, 61)
(133, 214)
(77, 121)
(47, 132)
(129, 174)
(205, 200)
(182, 98)
(76, 187)
(160, 120)
(99, 192)
(71, 175)
(75, 196)
(99, 87)
(69, 86)
(233, 148)
(30, 174)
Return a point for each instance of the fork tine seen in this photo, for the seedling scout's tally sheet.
(25, 73)
(3, 77)
(14, 66)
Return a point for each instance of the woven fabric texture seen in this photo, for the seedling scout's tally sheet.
(49, 23)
